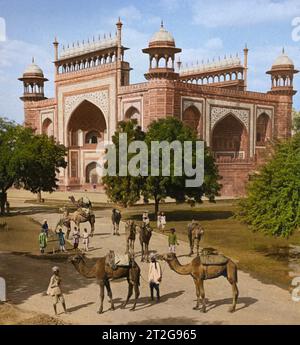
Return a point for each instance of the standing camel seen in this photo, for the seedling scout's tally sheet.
(220, 266)
(130, 234)
(145, 236)
(105, 270)
(77, 217)
(195, 236)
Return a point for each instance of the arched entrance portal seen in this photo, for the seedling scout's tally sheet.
(230, 139)
(193, 119)
(86, 130)
(87, 121)
(92, 173)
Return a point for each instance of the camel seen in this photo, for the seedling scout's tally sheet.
(105, 270)
(130, 234)
(195, 237)
(77, 217)
(145, 232)
(200, 272)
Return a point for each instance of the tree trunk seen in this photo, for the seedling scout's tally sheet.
(3, 198)
(39, 197)
(156, 200)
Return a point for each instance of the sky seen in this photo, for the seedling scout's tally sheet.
(203, 29)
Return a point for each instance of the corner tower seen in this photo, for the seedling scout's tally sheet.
(33, 80)
(161, 51)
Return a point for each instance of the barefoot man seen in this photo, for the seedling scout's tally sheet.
(54, 290)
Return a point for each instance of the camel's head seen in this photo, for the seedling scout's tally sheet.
(110, 260)
(76, 259)
(168, 257)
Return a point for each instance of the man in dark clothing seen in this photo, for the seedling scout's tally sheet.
(116, 219)
(190, 237)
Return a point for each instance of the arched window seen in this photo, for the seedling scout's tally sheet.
(193, 119)
(47, 127)
(92, 137)
(132, 113)
(263, 129)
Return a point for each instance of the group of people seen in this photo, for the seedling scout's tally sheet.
(85, 238)
(44, 234)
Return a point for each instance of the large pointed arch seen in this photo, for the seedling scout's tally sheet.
(86, 118)
(230, 138)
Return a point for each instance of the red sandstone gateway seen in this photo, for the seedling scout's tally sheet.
(93, 92)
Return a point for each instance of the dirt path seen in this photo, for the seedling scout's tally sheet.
(258, 303)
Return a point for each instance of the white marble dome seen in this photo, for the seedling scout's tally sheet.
(33, 70)
(162, 36)
(283, 59)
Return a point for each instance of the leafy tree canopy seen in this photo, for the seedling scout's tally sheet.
(27, 160)
(272, 205)
(128, 190)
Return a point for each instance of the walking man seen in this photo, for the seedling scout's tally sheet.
(45, 227)
(155, 277)
(86, 240)
(42, 241)
(116, 219)
(173, 241)
(61, 240)
(54, 290)
(190, 235)
(76, 238)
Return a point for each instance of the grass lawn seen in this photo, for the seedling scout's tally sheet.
(22, 236)
(264, 257)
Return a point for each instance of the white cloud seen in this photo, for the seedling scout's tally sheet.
(15, 56)
(129, 13)
(214, 43)
(243, 13)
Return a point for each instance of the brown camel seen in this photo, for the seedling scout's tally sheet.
(130, 234)
(105, 270)
(145, 232)
(201, 272)
(195, 236)
(77, 217)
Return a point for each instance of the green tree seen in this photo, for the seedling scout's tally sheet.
(296, 120)
(38, 164)
(272, 205)
(160, 187)
(27, 160)
(12, 136)
(124, 190)
(127, 190)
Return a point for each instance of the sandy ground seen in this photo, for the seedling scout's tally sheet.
(28, 278)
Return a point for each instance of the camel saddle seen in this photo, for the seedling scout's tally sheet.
(122, 260)
(213, 259)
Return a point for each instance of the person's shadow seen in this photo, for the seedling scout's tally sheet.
(145, 302)
(78, 307)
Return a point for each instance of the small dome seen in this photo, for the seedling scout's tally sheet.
(283, 59)
(33, 70)
(162, 36)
